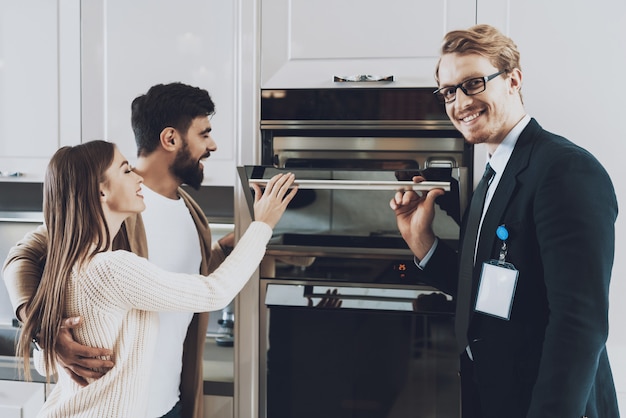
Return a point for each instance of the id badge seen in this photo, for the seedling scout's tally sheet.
(496, 289)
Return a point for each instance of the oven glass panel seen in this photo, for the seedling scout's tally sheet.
(358, 359)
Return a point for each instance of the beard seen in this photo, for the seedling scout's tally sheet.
(474, 137)
(187, 169)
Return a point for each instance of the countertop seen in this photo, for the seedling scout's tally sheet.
(11, 369)
(217, 202)
(218, 368)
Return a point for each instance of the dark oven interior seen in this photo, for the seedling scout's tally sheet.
(324, 359)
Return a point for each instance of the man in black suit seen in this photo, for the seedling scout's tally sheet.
(532, 283)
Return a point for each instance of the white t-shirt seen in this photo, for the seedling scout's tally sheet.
(173, 245)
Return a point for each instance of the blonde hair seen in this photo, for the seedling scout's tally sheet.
(74, 221)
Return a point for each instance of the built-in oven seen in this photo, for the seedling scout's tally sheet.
(347, 326)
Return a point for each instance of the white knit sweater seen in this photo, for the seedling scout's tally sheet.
(117, 295)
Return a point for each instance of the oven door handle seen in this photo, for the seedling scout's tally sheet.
(426, 300)
(362, 184)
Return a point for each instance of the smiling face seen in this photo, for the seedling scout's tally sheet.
(197, 146)
(121, 191)
(486, 117)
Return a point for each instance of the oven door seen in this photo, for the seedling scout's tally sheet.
(339, 208)
(336, 350)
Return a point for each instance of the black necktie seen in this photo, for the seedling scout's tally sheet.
(466, 263)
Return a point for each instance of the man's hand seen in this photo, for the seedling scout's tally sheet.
(227, 243)
(331, 301)
(80, 362)
(415, 214)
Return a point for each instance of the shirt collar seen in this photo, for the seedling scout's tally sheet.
(500, 157)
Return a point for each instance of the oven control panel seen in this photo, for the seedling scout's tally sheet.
(346, 270)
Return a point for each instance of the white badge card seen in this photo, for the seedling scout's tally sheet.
(496, 289)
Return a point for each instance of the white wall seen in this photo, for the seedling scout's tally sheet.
(573, 60)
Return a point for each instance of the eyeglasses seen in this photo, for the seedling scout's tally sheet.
(469, 87)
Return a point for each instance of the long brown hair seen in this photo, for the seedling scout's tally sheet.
(76, 229)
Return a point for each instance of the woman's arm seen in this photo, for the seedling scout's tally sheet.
(134, 282)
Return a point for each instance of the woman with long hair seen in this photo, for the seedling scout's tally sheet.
(89, 190)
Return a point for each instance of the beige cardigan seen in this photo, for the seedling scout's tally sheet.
(24, 265)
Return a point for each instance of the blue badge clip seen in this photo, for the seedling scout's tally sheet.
(503, 234)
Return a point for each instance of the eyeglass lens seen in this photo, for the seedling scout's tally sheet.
(470, 87)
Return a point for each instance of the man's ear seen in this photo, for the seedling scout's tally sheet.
(516, 79)
(168, 138)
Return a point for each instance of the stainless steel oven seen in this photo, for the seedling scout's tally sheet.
(347, 327)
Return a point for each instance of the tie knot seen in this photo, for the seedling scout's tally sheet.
(488, 174)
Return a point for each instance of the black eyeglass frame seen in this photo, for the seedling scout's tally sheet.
(484, 79)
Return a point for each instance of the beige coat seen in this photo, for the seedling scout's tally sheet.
(24, 265)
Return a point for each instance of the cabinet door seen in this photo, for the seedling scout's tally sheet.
(39, 83)
(130, 46)
(306, 43)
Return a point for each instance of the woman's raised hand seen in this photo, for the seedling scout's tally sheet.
(269, 205)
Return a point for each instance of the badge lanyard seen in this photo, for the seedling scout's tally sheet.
(498, 280)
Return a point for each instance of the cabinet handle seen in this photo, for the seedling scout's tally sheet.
(359, 78)
(11, 174)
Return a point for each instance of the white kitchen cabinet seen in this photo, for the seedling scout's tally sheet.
(130, 46)
(305, 44)
(39, 84)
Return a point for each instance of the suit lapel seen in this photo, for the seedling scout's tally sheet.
(508, 183)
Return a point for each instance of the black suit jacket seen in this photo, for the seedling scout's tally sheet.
(549, 359)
